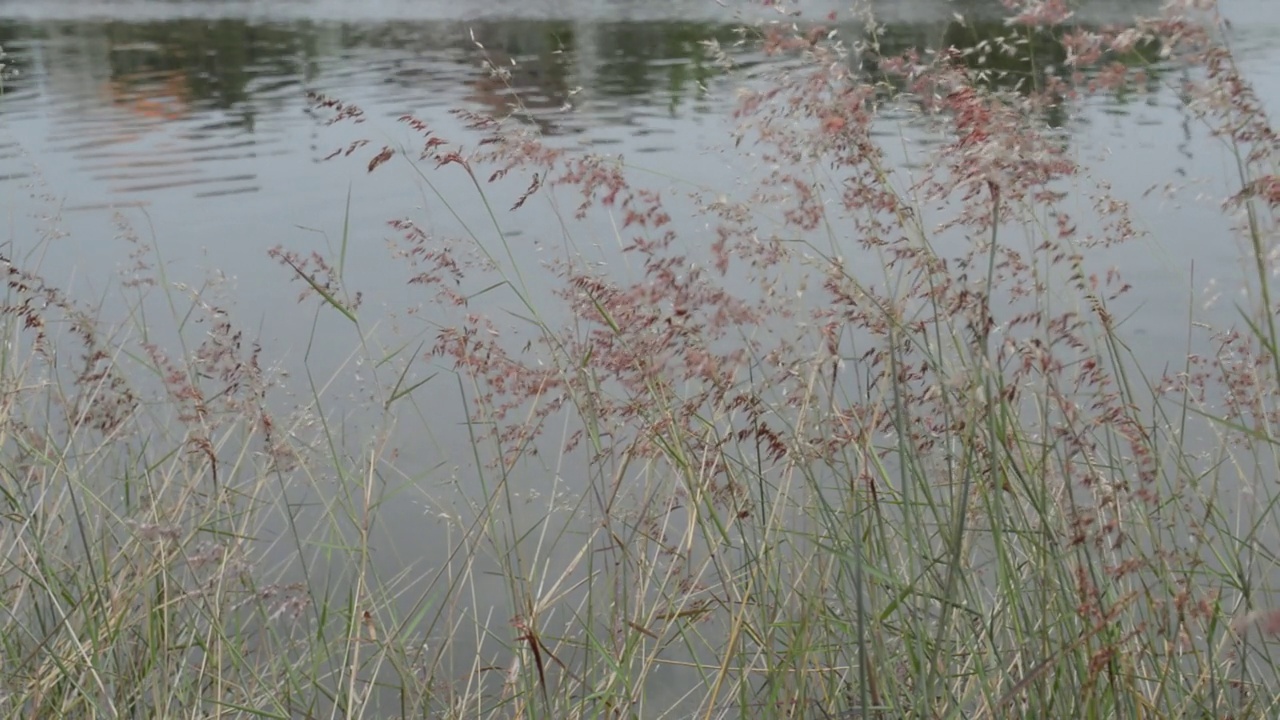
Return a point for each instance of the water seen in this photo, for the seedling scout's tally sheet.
(191, 119)
(194, 113)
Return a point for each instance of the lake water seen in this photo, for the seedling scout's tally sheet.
(191, 119)
(196, 111)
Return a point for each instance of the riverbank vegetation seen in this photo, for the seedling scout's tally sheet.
(861, 437)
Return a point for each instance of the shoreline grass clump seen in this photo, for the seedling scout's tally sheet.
(863, 437)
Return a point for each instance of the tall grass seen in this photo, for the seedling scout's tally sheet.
(864, 442)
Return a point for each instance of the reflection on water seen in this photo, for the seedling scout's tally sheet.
(190, 103)
(202, 105)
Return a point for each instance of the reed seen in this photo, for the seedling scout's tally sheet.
(856, 441)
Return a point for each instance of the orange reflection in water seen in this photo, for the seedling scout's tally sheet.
(156, 95)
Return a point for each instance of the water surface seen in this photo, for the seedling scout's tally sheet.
(192, 120)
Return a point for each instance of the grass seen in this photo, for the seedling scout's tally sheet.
(870, 444)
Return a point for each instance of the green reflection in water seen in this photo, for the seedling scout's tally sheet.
(215, 64)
